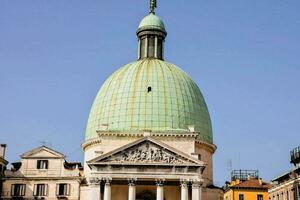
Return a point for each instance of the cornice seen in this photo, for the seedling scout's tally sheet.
(147, 133)
(90, 142)
(210, 147)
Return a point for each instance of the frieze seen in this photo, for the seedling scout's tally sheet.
(145, 153)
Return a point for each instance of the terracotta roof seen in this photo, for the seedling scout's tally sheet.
(252, 183)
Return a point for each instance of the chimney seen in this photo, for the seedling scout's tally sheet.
(2, 150)
(260, 181)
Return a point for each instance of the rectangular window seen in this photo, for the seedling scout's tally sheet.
(42, 164)
(40, 190)
(259, 197)
(62, 189)
(18, 190)
(241, 197)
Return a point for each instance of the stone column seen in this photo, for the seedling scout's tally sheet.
(196, 190)
(95, 189)
(131, 189)
(184, 190)
(107, 189)
(160, 189)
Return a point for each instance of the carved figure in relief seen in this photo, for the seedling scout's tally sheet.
(145, 154)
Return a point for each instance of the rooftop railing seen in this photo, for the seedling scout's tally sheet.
(244, 174)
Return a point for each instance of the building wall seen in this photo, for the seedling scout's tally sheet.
(212, 194)
(286, 190)
(233, 194)
(55, 174)
(206, 156)
(74, 187)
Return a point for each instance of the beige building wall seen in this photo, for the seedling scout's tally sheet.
(288, 190)
(58, 171)
(51, 194)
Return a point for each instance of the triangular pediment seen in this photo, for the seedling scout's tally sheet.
(42, 152)
(146, 151)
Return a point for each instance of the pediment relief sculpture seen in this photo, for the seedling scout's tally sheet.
(145, 153)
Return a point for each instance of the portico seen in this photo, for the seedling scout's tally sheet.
(189, 189)
(146, 166)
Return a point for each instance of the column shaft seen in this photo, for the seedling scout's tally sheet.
(184, 191)
(131, 192)
(160, 192)
(196, 191)
(107, 191)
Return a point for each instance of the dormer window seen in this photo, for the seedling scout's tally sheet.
(42, 164)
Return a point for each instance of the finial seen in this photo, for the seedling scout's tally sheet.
(153, 5)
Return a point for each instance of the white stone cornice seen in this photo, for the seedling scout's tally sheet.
(210, 147)
(147, 133)
(90, 143)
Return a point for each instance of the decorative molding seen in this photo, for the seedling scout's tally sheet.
(107, 180)
(145, 153)
(120, 134)
(197, 183)
(160, 182)
(132, 181)
(90, 143)
(95, 180)
(184, 134)
(210, 147)
(184, 183)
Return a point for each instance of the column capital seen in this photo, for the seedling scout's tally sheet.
(132, 181)
(197, 183)
(160, 181)
(107, 180)
(95, 180)
(184, 183)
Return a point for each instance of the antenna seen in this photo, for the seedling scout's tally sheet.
(44, 143)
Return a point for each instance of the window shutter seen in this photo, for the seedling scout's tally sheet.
(57, 189)
(35, 190)
(12, 193)
(23, 189)
(68, 189)
(46, 190)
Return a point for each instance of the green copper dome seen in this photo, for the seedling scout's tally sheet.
(149, 95)
(152, 21)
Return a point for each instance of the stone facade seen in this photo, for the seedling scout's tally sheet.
(3, 164)
(43, 173)
(167, 167)
(286, 186)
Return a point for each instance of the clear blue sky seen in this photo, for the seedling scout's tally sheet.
(244, 55)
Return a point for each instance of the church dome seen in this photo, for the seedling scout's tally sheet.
(150, 95)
